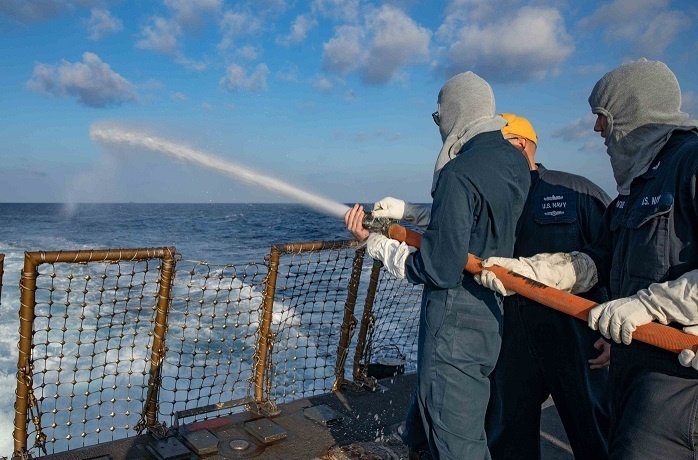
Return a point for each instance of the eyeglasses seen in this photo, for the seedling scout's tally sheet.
(436, 118)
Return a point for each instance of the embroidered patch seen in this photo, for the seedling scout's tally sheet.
(555, 207)
(661, 199)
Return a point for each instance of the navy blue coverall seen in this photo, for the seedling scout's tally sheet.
(477, 201)
(545, 352)
(651, 236)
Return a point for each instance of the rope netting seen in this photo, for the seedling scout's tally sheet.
(394, 323)
(91, 349)
(212, 327)
(311, 292)
(95, 337)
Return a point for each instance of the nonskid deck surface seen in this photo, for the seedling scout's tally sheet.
(306, 429)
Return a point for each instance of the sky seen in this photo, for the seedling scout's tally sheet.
(332, 96)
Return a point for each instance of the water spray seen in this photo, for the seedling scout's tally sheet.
(120, 136)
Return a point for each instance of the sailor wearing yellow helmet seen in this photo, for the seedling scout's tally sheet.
(545, 352)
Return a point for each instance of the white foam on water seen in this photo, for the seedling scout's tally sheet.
(105, 134)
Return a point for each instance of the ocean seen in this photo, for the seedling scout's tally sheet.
(214, 233)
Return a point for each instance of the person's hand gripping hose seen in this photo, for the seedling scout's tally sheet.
(392, 253)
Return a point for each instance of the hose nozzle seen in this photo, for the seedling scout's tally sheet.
(377, 224)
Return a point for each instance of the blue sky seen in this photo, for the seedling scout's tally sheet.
(333, 96)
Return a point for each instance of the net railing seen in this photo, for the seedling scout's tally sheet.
(93, 329)
(211, 339)
(393, 323)
(116, 342)
(312, 286)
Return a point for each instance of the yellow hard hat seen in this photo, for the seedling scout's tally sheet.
(518, 126)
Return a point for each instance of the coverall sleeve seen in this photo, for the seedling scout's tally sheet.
(444, 247)
(601, 250)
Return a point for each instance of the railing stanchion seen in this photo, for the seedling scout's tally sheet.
(27, 287)
(349, 321)
(360, 366)
(265, 334)
(159, 332)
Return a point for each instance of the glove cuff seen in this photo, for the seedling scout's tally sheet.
(391, 252)
(585, 273)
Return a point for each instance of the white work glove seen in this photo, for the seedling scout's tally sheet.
(392, 208)
(688, 357)
(574, 272)
(489, 280)
(391, 252)
(618, 319)
(675, 300)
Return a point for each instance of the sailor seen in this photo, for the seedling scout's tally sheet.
(545, 352)
(479, 189)
(647, 252)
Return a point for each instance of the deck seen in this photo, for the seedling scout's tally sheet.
(369, 421)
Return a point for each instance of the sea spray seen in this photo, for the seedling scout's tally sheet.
(117, 135)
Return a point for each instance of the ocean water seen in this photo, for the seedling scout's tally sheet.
(214, 233)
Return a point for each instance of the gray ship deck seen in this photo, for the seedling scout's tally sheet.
(371, 418)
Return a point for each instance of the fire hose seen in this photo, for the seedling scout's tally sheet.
(659, 335)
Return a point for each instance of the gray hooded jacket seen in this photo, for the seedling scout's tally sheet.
(466, 109)
(641, 101)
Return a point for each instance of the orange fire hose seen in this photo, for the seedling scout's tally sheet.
(656, 334)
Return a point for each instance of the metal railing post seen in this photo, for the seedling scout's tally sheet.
(27, 288)
(360, 368)
(265, 335)
(349, 321)
(159, 331)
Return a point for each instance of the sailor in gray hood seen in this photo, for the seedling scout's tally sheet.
(648, 253)
(480, 185)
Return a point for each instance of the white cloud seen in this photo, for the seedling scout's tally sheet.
(91, 81)
(388, 41)
(647, 26)
(189, 12)
(236, 78)
(343, 52)
(40, 10)
(398, 41)
(190, 64)
(338, 10)
(522, 45)
(591, 70)
(273, 6)
(102, 23)
(299, 29)
(581, 132)
(248, 52)
(689, 104)
(161, 36)
(576, 129)
(179, 96)
(235, 25)
(323, 84)
(459, 13)
(164, 34)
